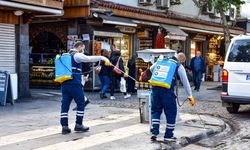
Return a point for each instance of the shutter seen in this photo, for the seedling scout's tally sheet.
(7, 48)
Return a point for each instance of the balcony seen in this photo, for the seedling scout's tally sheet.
(56, 4)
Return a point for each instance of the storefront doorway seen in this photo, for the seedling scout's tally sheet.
(46, 41)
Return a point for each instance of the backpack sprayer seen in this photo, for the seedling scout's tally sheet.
(180, 105)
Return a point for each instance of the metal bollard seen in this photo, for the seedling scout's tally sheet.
(144, 105)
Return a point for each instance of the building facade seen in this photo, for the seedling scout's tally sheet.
(243, 19)
(15, 16)
(185, 27)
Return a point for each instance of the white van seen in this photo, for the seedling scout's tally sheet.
(236, 74)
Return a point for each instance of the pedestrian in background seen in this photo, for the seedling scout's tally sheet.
(131, 72)
(117, 61)
(72, 89)
(198, 67)
(105, 74)
(165, 99)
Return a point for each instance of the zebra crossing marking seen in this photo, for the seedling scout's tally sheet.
(33, 134)
(97, 139)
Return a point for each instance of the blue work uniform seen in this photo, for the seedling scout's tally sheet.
(163, 99)
(72, 89)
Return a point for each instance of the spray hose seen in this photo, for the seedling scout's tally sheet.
(177, 99)
(123, 72)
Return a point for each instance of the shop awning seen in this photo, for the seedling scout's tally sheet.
(105, 31)
(146, 23)
(32, 7)
(117, 21)
(204, 31)
(175, 32)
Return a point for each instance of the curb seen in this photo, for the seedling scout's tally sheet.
(184, 141)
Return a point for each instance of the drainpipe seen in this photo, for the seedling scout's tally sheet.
(31, 7)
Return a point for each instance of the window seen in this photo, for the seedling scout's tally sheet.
(240, 51)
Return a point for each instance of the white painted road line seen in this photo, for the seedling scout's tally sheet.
(55, 93)
(33, 134)
(98, 139)
(43, 94)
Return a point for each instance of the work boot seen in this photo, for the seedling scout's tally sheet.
(153, 138)
(66, 130)
(81, 128)
(170, 140)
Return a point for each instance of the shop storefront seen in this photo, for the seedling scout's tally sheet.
(215, 57)
(100, 37)
(211, 47)
(146, 41)
(175, 38)
(157, 37)
(125, 43)
(46, 41)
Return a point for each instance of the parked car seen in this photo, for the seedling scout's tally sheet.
(236, 74)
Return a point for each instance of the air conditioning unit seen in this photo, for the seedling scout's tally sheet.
(175, 2)
(144, 2)
(232, 13)
(162, 4)
(207, 10)
(216, 14)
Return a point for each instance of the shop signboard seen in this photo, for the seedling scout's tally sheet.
(200, 38)
(4, 80)
(107, 34)
(125, 29)
(176, 37)
(85, 37)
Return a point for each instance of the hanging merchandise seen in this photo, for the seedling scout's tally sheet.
(160, 41)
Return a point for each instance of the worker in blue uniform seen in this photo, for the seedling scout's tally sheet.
(72, 89)
(164, 98)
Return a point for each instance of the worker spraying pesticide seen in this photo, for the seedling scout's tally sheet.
(163, 79)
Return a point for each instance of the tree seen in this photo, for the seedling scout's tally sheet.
(221, 6)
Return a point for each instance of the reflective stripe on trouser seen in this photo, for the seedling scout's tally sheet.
(163, 99)
(69, 92)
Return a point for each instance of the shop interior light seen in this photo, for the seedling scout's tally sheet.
(18, 13)
(167, 36)
(219, 37)
(193, 45)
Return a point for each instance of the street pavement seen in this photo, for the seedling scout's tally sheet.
(114, 124)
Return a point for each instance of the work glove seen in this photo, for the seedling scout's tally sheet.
(106, 61)
(191, 101)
